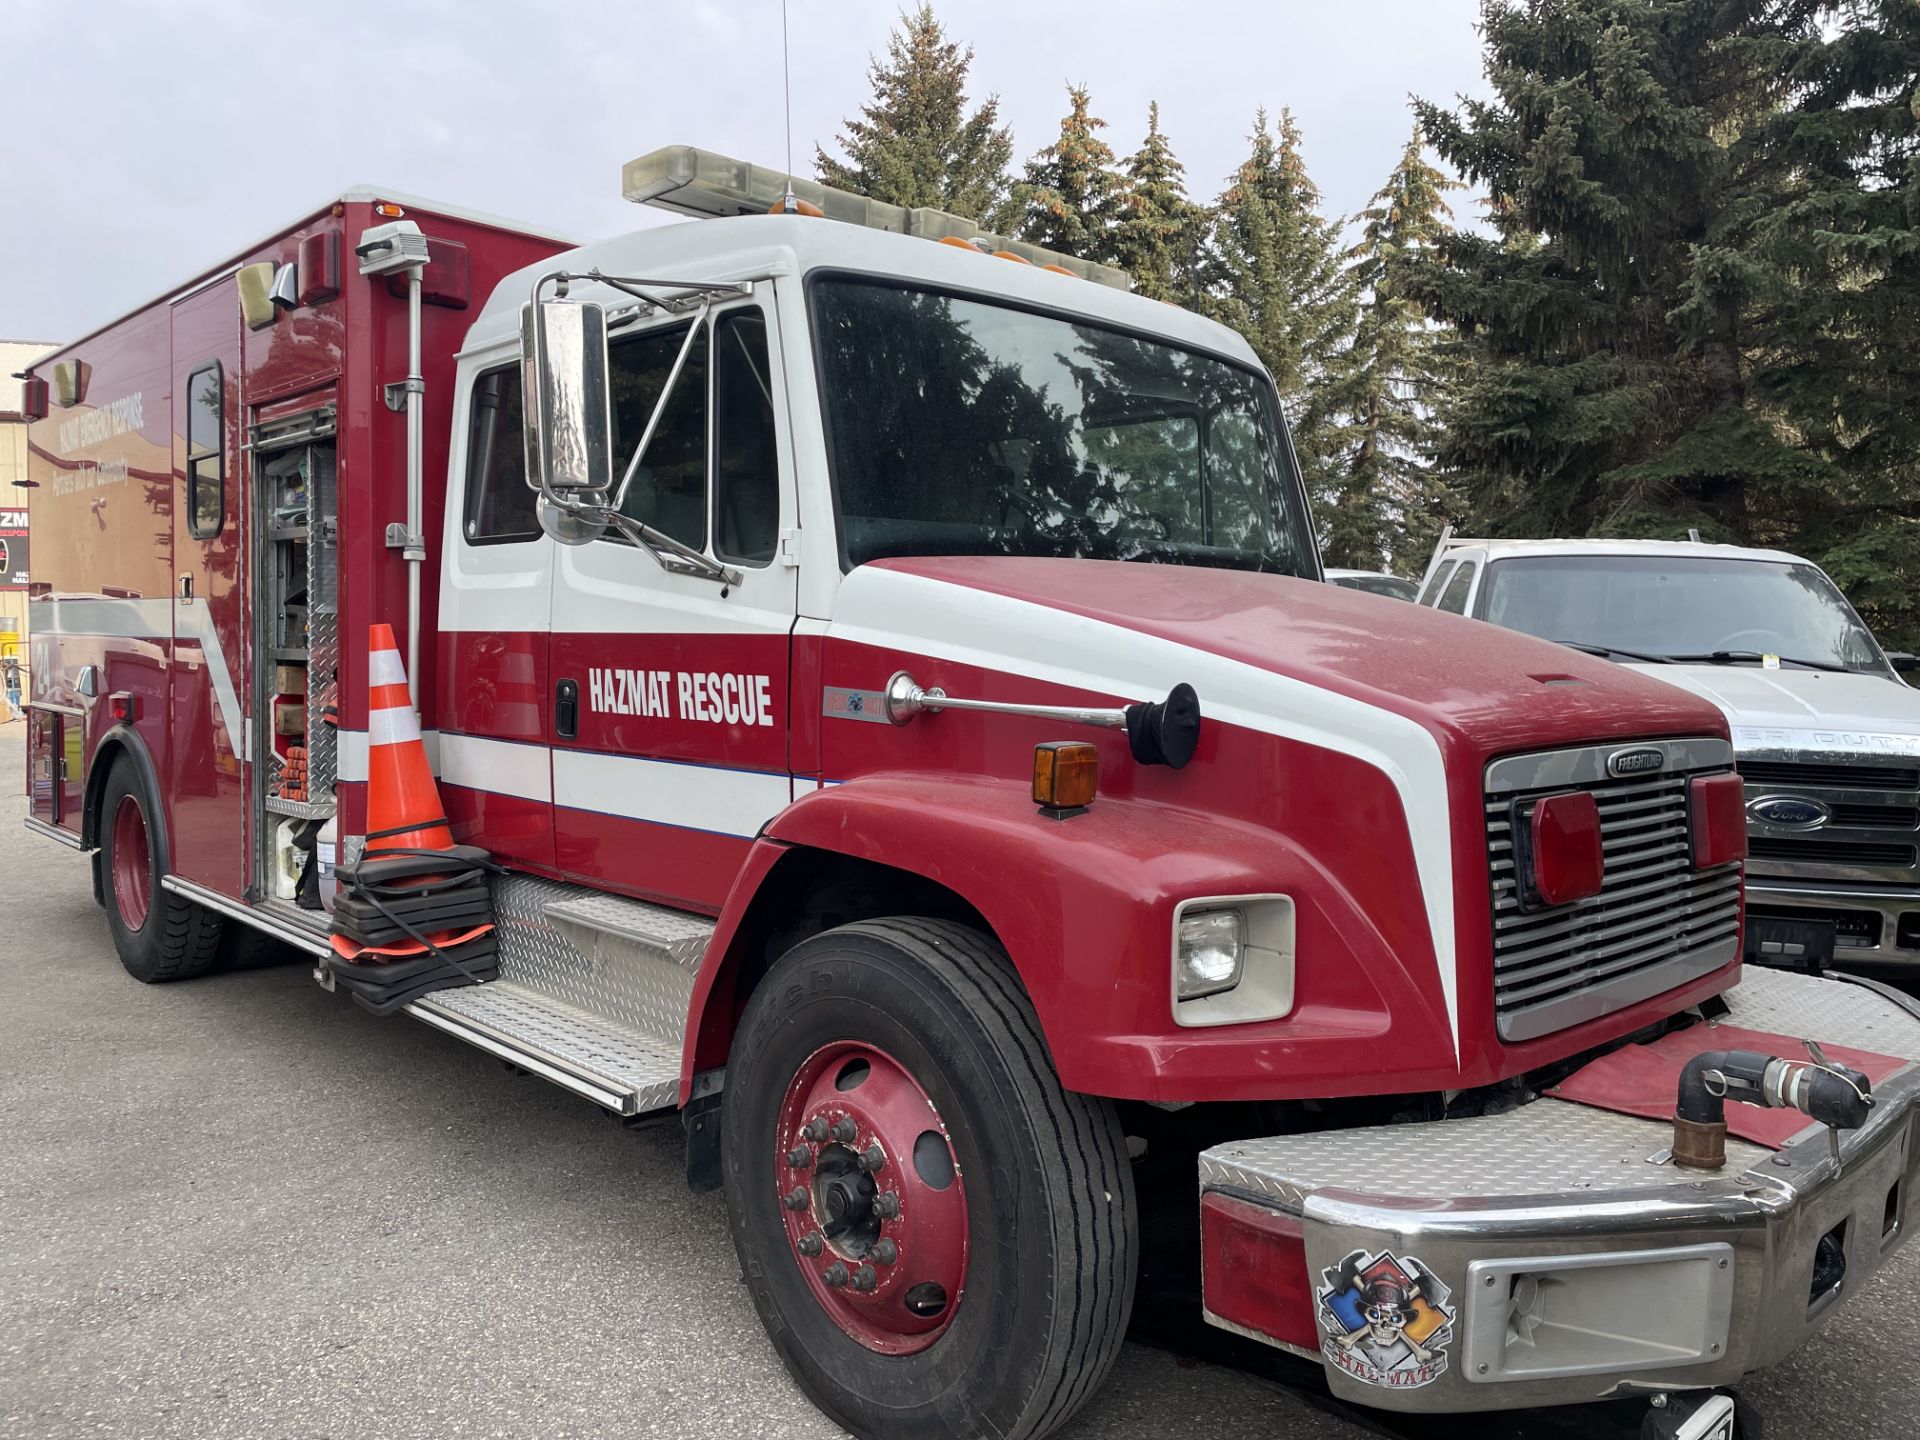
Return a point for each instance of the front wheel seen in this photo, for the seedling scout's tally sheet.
(940, 1240)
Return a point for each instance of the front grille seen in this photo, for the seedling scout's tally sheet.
(1656, 923)
(1808, 775)
(1832, 852)
(1876, 817)
(1866, 794)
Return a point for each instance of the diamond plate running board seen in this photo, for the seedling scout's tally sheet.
(624, 1069)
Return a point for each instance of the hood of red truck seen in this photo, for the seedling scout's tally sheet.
(1497, 689)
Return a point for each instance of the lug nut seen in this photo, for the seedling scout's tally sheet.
(844, 1130)
(799, 1156)
(815, 1130)
(811, 1244)
(872, 1158)
(835, 1275)
(796, 1198)
(865, 1278)
(886, 1252)
(886, 1204)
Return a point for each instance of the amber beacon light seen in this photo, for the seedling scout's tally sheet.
(1065, 775)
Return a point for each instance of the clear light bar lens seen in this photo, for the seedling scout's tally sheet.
(1210, 945)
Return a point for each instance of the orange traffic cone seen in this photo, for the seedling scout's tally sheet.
(403, 804)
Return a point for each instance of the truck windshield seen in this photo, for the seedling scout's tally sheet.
(959, 427)
(1679, 608)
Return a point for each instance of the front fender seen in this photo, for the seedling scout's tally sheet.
(1084, 907)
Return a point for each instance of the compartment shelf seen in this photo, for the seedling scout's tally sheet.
(300, 809)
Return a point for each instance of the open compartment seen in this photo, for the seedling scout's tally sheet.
(297, 640)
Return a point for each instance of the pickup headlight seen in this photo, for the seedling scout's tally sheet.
(1210, 945)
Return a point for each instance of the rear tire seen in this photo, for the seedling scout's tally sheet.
(242, 947)
(161, 936)
(1045, 1221)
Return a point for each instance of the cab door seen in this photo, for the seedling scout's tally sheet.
(208, 676)
(670, 692)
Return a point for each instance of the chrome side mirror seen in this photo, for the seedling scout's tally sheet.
(568, 412)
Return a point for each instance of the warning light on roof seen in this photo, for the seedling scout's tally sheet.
(690, 181)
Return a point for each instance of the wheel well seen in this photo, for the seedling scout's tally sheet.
(807, 892)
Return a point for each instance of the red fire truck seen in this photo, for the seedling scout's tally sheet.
(890, 668)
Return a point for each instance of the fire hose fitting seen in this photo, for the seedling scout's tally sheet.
(1836, 1096)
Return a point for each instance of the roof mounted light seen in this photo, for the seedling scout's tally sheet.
(690, 181)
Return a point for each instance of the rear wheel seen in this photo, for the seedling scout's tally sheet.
(160, 935)
(939, 1239)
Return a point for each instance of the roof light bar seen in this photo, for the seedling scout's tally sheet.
(691, 181)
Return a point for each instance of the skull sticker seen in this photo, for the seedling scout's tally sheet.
(1387, 1320)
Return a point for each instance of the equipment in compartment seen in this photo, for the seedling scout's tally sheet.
(298, 639)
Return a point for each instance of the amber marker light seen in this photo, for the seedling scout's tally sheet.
(1065, 775)
(386, 209)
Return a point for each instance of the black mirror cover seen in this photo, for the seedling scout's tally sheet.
(1165, 732)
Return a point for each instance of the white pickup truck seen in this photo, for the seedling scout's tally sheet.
(1826, 731)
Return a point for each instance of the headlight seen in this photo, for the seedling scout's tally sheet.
(1209, 948)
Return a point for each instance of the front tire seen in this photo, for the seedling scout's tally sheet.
(990, 1294)
(161, 936)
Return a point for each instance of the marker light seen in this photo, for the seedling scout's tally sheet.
(387, 210)
(1065, 775)
(1208, 945)
(124, 706)
(1564, 837)
(1717, 816)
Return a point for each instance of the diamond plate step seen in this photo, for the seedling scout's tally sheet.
(625, 1069)
(590, 920)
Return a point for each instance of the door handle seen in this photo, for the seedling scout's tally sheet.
(186, 589)
(566, 709)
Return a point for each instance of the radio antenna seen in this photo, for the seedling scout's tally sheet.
(788, 204)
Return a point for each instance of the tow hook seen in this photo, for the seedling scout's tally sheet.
(1835, 1095)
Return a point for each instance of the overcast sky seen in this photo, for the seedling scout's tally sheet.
(144, 140)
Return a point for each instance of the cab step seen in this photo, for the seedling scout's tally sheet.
(620, 1067)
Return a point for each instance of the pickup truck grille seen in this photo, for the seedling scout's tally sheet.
(1869, 833)
(1656, 923)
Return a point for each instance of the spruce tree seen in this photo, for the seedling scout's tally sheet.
(1610, 385)
(1069, 199)
(1832, 266)
(1159, 229)
(1391, 500)
(1275, 275)
(914, 142)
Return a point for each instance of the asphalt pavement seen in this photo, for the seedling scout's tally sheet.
(242, 1207)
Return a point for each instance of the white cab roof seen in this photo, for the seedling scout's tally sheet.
(757, 246)
(1657, 549)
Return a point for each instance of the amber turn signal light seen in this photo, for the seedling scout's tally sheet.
(1065, 775)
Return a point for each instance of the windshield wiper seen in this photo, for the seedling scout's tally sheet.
(1753, 657)
(1608, 652)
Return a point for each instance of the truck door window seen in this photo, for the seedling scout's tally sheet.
(669, 491)
(500, 507)
(206, 452)
(1454, 598)
(746, 477)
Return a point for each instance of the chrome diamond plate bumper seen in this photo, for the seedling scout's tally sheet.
(1473, 1201)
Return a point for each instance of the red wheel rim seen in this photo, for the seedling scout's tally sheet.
(132, 863)
(872, 1198)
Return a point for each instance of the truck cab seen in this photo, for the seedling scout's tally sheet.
(1826, 729)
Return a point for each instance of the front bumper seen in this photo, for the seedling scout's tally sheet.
(1544, 1256)
(1870, 919)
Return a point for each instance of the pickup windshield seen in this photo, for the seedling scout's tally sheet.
(1704, 610)
(961, 427)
